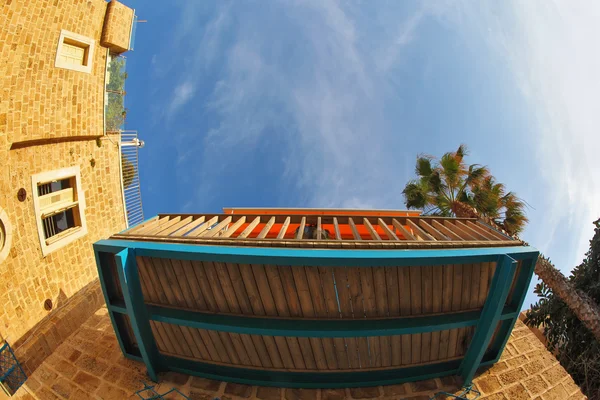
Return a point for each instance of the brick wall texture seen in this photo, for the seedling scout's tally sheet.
(37, 100)
(40, 102)
(117, 28)
(89, 365)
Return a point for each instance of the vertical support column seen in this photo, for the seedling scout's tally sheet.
(490, 316)
(138, 315)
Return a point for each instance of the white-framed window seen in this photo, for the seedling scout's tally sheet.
(74, 52)
(59, 207)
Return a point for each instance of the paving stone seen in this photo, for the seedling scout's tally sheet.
(333, 394)
(423, 386)
(512, 376)
(535, 385)
(365, 392)
(300, 394)
(516, 392)
(269, 393)
(205, 384)
(88, 382)
(107, 391)
(489, 384)
(395, 390)
(238, 389)
(91, 365)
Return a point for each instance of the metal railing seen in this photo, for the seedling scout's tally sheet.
(130, 177)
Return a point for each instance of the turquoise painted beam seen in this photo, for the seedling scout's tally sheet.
(316, 257)
(317, 328)
(138, 316)
(490, 316)
(316, 379)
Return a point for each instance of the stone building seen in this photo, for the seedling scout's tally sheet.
(61, 191)
(60, 185)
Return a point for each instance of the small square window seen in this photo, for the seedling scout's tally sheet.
(59, 208)
(74, 52)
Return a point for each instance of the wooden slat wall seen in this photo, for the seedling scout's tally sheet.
(188, 343)
(282, 230)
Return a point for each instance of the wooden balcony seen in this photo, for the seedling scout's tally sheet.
(358, 230)
(314, 298)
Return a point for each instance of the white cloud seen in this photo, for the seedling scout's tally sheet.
(182, 94)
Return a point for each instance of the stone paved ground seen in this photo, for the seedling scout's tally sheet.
(89, 365)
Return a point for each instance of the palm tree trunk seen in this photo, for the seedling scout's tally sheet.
(586, 310)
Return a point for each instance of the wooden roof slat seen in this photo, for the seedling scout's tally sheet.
(407, 235)
(471, 231)
(319, 229)
(494, 235)
(204, 227)
(266, 229)
(459, 231)
(445, 230)
(431, 230)
(231, 229)
(390, 234)
(215, 231)
(301, 228)
(144, 226)
(175, 227)
(249, 228)
(284, 228)
(336, 227)
(419, 232)
(354, 230)
(150, 229)
(371, 230)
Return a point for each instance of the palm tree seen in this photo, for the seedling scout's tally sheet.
(444, 186)
(449, 187)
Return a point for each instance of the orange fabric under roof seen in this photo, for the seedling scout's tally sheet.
(321, 211)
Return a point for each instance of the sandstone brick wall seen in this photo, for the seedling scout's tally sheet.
(27, 278)
(89, 365)
(37, 100)
(40, 102)
(117, 27)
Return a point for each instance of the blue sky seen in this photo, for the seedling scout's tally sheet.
(327, 104)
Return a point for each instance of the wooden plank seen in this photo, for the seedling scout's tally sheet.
(354, 230)
(405, 310)
(437, 288)
(174, 228)
(416, 306)
(372, 231)
(467, 293)
(345, 302)
(420, 233)
(249, 228)
(370, 305)
(281, 350)
(231, 229)
(459, 231)
(497, 235)
(336, 228)
(150, 229)
(284, 228)
(475, 282)
(196, 292)
(189, 227)
(393, 302)
(471, 231)
(487, 233)
(483, 283)
(447, 292)
(381, 302)
(319, 310)
(332, 311)
(427, 304)
(203, 227)
(183, 283)
(266, 229)
(148, 290)
(140, 228)
(306, 305)
(165, 226)
(319, 229)
(300, 233)
(445, 230)
(407, 235)
(389, 233)
(358, 311)
(217, 228)
(431, 230)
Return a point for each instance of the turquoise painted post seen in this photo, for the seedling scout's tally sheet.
(490, 317)
(138, 316)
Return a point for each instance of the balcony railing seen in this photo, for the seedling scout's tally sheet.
(326, 231)
(130, 178)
